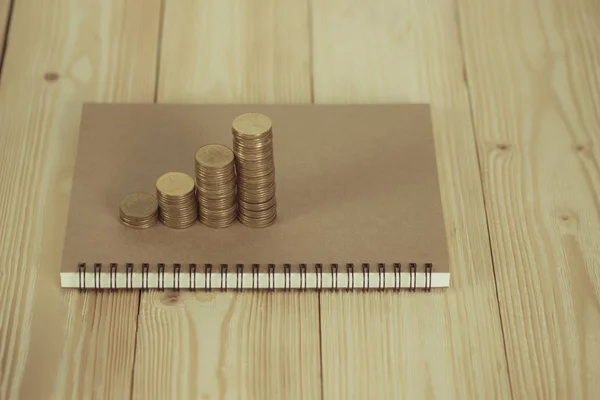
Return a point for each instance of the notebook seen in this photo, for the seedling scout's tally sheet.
(358, 201)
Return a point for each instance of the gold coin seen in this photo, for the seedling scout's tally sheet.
(174, 218)
(244, 165)
(138, 205)
(222, 217)
(252, 145)
(260, 191)
(139, 226)
(189, 212)
(140, 221)
(255, 141)
(245, 186)
(254, 159)
(173, 225)
(243, 205)
(257, 191)
(255, 184)
(254, 223)
(217, 193)
(219, 219)
(193, 214)
(162, 199)
(260, 215)
(263, 189)
(214, 156)
(241, 150)
(216, 185)
(202, 178)
(139, 217)
(252, 175)
(215, 203)
(179, 207)
(218, 224)
(251, 125)
(217, 206)
(176, 203)
(175, 184)
(249, 220)
(219, 213)
(240, 136)
(255, 199)
(218, 202)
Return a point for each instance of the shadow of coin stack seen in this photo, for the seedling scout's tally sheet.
(176, 195)
(216, 185)
(255, 169)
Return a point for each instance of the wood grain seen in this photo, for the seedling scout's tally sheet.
(439, 345)
(55, 343)
(4, 23)
(235, 51)
(535, 84)
(229, 345)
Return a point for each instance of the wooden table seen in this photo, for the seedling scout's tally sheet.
(515, 91)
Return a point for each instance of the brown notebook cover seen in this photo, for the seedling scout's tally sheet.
(357, 194)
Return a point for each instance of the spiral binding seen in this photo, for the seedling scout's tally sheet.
(177, 271)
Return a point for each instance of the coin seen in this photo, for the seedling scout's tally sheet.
(252, 125)
(214, 156)
(255, 169)
(175, 184)
(138, 210)
(255, 223)
(244, 205)
(216, 185)
(260, 215)
(176, 194)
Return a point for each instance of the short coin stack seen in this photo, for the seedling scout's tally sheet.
(176, 194)
(139, 210)
(216, 186)
(255, 168)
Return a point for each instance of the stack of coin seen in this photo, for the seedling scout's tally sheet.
(139, 210)
(255, 169)
(176, 194)
(216, 186)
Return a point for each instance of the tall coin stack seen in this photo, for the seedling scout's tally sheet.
(176, 195)
(216, 186)
(255, 169)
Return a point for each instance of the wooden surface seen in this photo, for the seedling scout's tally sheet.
(4, 24)
(418, 343)
(54, 343)
(514, 88)
(535, 88)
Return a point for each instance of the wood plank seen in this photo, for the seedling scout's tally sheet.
(235, 52)
(534, 78)
(4, 22)
(229, 345)
(413, 345)
(56, 343)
